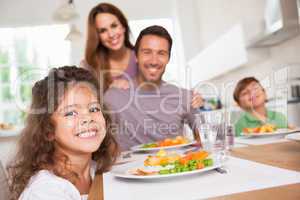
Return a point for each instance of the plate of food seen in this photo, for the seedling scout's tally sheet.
(167, 143)
(266, 130)
(167, 164)
(294, 137)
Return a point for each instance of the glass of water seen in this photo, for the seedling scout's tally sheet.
(212, 137)
(212, 133)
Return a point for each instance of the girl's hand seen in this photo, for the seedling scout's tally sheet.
(197, 100)
(120, 83)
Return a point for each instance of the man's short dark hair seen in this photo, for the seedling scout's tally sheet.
(154, 30)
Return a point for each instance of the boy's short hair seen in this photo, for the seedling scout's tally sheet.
(241, 85)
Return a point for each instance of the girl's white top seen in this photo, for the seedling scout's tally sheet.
(47, 186)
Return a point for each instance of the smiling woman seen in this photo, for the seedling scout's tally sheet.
(109, 53)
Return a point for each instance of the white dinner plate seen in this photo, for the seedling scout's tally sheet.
(295, 137)
(123, 171)
(281, 131)
(140, 147)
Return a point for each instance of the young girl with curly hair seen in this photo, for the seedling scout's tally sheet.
(67, 141)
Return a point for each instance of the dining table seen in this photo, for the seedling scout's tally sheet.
(284, 155)
(252, 171)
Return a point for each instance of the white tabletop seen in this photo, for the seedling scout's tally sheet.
(243, 175)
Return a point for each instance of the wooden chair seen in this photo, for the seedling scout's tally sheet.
(4, 191)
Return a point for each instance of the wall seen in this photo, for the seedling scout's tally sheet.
(188, 19)
(216, 17)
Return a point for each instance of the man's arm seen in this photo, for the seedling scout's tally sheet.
(192, 120)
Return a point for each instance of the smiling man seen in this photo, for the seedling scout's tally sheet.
(151, 109)
(153, 54)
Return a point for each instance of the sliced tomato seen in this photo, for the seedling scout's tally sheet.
(200, 165)
(183, 161)
(200, 155)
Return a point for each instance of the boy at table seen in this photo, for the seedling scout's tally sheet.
(251, 97)
(151, 109)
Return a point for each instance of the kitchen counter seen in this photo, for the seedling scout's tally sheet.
(10, 133)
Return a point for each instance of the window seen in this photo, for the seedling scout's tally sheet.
(26, 54)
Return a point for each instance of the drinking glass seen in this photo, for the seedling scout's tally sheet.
(212, 133)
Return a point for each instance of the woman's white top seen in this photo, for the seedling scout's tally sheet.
(47, 186)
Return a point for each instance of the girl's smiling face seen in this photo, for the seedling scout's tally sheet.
(79, 123)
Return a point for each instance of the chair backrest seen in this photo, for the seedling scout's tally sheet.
(4, 191)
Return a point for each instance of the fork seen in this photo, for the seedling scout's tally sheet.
(221, 170)
(126, 154)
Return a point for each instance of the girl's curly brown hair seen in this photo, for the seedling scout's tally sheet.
(35, 149)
